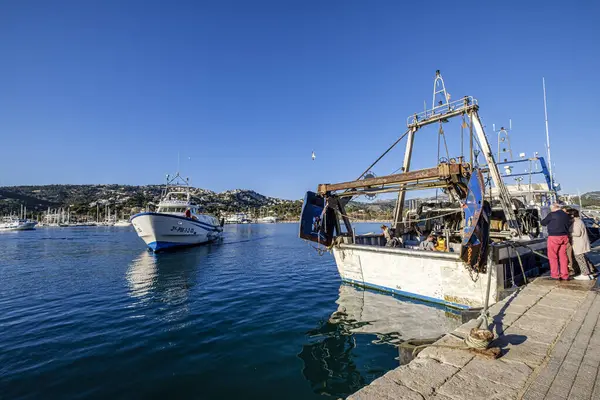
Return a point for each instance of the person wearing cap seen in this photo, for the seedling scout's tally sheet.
(558, 224)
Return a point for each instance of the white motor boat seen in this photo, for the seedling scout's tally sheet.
(16, 224)
(239, 218)
(267, 220)
(122, 223)
(178, 222)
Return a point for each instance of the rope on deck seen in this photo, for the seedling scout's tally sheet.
(477, 342)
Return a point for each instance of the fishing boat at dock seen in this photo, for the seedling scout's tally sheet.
(178, 221)
(485, 234)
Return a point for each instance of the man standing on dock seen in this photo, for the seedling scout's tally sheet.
(558, 223)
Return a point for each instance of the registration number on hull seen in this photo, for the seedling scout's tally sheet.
(180, 229)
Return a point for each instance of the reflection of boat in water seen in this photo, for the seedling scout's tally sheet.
(365, 311)
(167, 278)
(341, 356)
(141, 274)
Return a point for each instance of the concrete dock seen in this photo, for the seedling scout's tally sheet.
(549, 333)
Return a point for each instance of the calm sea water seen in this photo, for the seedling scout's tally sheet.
(90, 313)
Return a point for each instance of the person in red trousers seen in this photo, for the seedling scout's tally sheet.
(558, 223)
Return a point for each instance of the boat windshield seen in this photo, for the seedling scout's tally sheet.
(171, 209)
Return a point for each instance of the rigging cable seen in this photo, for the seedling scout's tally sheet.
(384, 153)
(442, 134)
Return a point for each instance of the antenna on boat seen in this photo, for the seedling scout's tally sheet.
(547, 137)
(439, 90)
(504, 143)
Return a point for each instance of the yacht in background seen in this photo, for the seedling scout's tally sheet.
(267, 220)
(122, 223)
(16, 224)
(178, 222)
(239, 218)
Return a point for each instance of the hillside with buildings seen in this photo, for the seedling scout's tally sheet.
(93, 201)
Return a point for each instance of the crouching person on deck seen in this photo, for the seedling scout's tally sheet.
(558, 223)
(428, 244)
(390, 240)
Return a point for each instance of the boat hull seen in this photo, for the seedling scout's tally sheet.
(18, 226)
(164, 231)
(437, 277)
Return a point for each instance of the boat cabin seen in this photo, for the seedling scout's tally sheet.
(178, 203)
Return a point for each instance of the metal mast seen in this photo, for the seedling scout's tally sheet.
(503, 194)
(547, 137)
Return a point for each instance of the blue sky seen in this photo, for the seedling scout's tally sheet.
(110, 91)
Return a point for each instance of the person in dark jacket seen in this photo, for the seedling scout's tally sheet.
(558, 223)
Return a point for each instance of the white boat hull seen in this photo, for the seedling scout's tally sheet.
(122, 224)
(438, 277)
(165, 231)
(18, 226)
